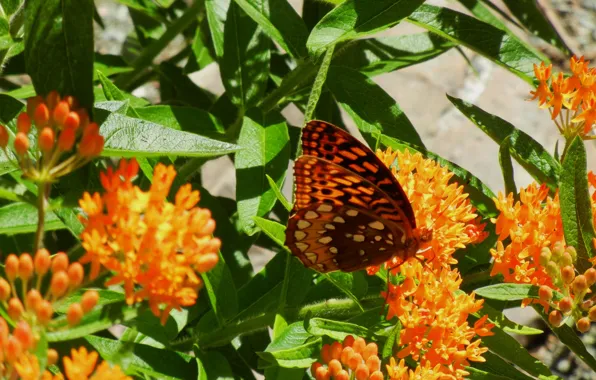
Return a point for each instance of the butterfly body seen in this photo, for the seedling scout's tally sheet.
(349, 211)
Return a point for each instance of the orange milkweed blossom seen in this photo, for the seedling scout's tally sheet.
(433, 313)
(400, 371)
(82, 365)
(353, 358)
(570, 100)
(153, 247)
(439, 206)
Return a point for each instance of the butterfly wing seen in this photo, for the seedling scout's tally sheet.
(341, 220)
(326, 141)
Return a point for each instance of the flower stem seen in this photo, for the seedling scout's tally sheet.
(43, 190)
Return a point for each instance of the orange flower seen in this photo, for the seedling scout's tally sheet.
(27, 367)
(440, 205)
(571, 99)
(433, 314)
(153, 247)
(351, 359)
(82, 366)
(422, 372)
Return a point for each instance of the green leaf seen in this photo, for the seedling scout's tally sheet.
(217, 11)
(317, 86)
(245, 62)
(373, 110)
(9, 108)
(112, 92)
(266, 150)
(500, 47)
(356, 18)
(568, 336)
(276, 231)
(280, 197)
(143, 359)
(294, 348)
(375, 56)
(220, 288)
(392, 341)
(59, 47)
(188, 119)
(177, 87)
(20, 218)
(576, 205)
(106, 297)
(500, 320)
(336, 330)
(349, 284)
(281, 22)
(510, 349)
(512, 292)
(213, 365)
(128, 137)
(97, 320)
(495, 368)
(200, 57)
(531, 16)
(527, 152)
(507, 167)
(482, 12)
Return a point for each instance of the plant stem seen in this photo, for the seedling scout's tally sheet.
(303, 72)
(42, 193)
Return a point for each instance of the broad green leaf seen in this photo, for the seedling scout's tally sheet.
(280, 197)
(8, 7)
(375, 56)
(188, 119)
(336, 330)
(373, 110)
(356, 18)
(483, 13)
(213, 365)
(217, 11)
(512, 292)
(113, 93)
(20, 218)
(220, 288)
(9, 108)
(143, 359)
(531, 16)
(97, 320)
(294, 348)
(200, 57)
(507, 167)
(245, 62)
(510, 349)
(351, 284)
(480, 195)
(276, 231)
(500, 320)
(281, 23)
(266, 151)
(128, 137)
(280, 373)
(317, 86)
(526, 151)
(59, 47)
(495, 368)
(568, 336)
(576, 205)
(500, 47)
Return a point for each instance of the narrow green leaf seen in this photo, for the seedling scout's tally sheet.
(336, 330)
(127, 137)
(217, 11)
(59, 47)
(281, 23)
(531, 16)
(220, 288)
(356, 18)
(375, 56)
(392, 341)
(507, 167)
(500, 320)
(527, 152)
(266, 150)
(500, 47)
(245, 61)
(568, 336)
(576, 205)
(276, 231)
(188, 119)
(144, 359)
(317, 86)
(20, 218)
(373, 110)
(483, 13)
(512, 292)
(112, 92)
(495, 368)
(200, 57)
(106, 297)
(294, 348)
(280, 197)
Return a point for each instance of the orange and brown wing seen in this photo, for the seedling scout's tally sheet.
(326, 141)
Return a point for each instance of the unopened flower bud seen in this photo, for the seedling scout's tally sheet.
(592, 314)
(5, 290)
(580, 284)
(42, 115)
(15, 308)
(568, 274)
(565, 305)
(206, 262)
(52, 356)
(11, 267)
(32, 104)
(60, 262)
(44, 311)
(3, 136)
(42, 261)
(72, 121)
(583, 325)
(52, 99)
(566, 259)
(33, 299)
(545, 293)
(59, 284)
(25, 266)
(545, 256)
(23, 333)
(60, 113)
(555, 318)
(362, 372)
(74, 314)
(590, 276)
(571, 250)
(21, 143)
(66, 139)
(89, 300)
(46, 140)
(23, 123)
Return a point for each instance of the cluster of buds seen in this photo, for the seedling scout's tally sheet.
(574, 288)
(60, 127)
(352, 359)
(571, 100)
(35, 308)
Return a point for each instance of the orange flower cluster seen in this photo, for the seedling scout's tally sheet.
(82, 366)
(433, 314)
(570, 100)
(352, 359)
(444, 210)
(60, 123)
(153, 247)
(400, 371)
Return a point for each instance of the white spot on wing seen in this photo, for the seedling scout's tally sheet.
(325, 208)
(302, 224)
(311, 215)
(352, 213)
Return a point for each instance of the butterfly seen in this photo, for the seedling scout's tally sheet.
(349, 212)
